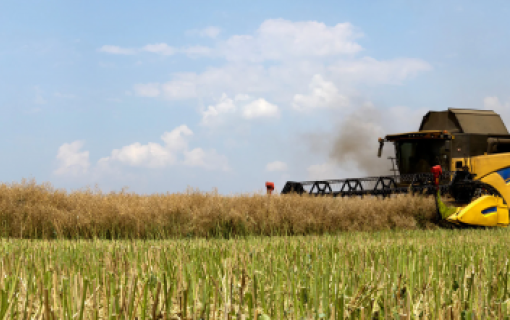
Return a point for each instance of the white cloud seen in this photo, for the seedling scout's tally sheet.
(151, 155)
(174, 151)
(313, 66)
(323, 94)
(276, 166)
(159, 48)
(233, 109)
(303, 84)
(279, 39)
(210, 32)
(370, 70)
(147, 89)
(71, 160)
(211, 116)
(275, 39)
(260, 108)
(176, 140)
(117, 50)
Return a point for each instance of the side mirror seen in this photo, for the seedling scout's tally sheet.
(381, 145)
(447, 145)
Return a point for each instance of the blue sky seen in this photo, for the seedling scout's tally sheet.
(159, 96)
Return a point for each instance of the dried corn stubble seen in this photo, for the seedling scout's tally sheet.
(376, 275)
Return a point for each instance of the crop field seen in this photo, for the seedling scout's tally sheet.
(195, 255)
(439, 274)
(34, 211)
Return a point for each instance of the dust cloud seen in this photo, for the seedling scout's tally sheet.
(357, 143)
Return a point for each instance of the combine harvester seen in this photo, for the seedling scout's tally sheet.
(469, 153)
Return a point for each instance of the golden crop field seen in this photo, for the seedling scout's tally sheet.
(29, 210)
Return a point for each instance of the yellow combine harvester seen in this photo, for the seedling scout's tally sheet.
(470, 153)
(474, 145)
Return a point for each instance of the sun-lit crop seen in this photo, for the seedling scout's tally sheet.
(441, 274)
(29, 210)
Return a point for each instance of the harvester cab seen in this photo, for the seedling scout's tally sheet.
(472, 149)
(449, 138)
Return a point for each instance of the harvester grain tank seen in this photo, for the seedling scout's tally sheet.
(472, 150)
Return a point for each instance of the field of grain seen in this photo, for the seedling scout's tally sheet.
(38, 211)
(439, 274)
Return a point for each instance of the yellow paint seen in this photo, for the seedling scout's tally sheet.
(495, 180)
(485, 168)
(472, 213)
(487, 164)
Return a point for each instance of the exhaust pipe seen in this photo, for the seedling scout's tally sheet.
(381, 145)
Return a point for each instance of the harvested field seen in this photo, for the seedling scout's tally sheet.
(440, 274)
(29, 210)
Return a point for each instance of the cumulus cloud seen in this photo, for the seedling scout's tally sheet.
(279, 39)
(212, 115)
(260, 108)
(151, 155)
(276, 166)
(323, 94)
(176, 140)
(174, 151)
(71, 160)
(304, 66)
(241, 106)
(303, 56)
